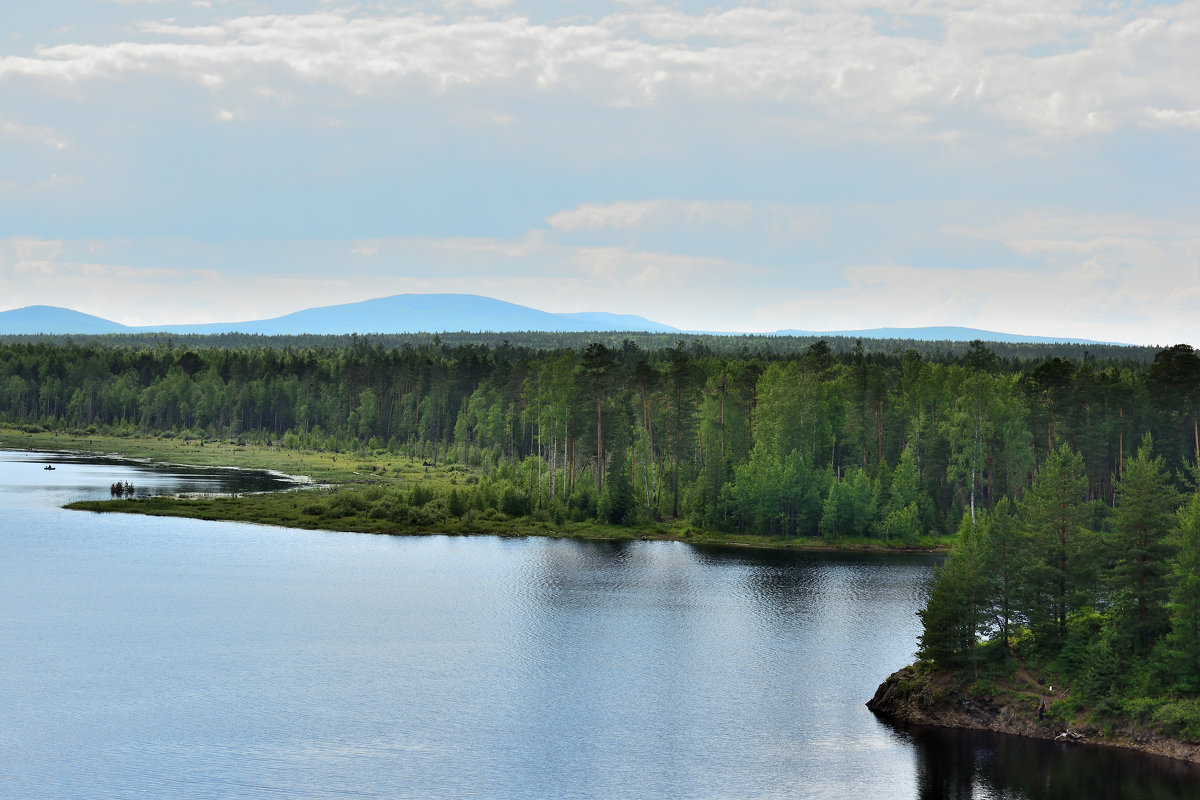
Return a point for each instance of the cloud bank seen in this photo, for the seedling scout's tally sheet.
(1049, 69)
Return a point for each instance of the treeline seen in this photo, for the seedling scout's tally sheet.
(1011, 356)
(1107, 597)
(818, 442)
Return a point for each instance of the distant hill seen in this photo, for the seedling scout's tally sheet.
(402, 313)
(947, 333)
(440, 313)
(52, 319)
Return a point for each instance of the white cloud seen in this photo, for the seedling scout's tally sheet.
(1160, 250)
(1173, 118)
(650, 214)
(1119, 277)
(666, 272)
(42, 135)
(1111, 266)
(1051, 68)
(42, 272)
(1067, 224)
(277, 283)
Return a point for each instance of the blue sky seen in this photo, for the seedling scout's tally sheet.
(1028, 166)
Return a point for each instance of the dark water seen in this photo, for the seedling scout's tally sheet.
(144, 657)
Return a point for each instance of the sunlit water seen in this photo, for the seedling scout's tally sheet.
(146, 657)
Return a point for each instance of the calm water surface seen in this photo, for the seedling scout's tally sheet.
(144, 657)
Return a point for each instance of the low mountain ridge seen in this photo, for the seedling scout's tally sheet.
(403, 313)
(53, 319)
(945, 333)
(440, 313)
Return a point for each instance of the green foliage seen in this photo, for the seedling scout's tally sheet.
(907, 511)
(1140, 551)
(1114, 613)
(1061, 557)
(1183, 641)
(954, 615)
(902, 523)
(617, 505)
(850, 508)
(514, 502)
(583, 503)
(1180, 718)
(456, 503)
(1000, 544)
(347, 503)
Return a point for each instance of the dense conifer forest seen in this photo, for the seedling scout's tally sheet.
(758, 434)
(790, 439)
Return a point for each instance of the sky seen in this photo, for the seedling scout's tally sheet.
(1025, 166)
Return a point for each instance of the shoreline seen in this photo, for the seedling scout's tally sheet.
(919, 696)
(218, 508)
(324, 472)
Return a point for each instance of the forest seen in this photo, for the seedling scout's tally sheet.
(795, 439)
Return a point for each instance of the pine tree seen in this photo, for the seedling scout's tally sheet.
(953, 616)
(1000, 543)
(1183, 642)
(1140, 550)
(1060, 561)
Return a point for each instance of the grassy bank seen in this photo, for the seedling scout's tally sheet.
(376, 493)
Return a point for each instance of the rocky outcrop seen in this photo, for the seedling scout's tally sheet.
(917, 695)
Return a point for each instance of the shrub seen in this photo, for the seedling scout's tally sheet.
(514, 503)
(345, 504)
(456, 503)
(1180, 718)
(420, 495)
(429, 514)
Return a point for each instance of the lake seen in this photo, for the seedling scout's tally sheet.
(151, 657)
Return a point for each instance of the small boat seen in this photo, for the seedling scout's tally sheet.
(48, 466)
